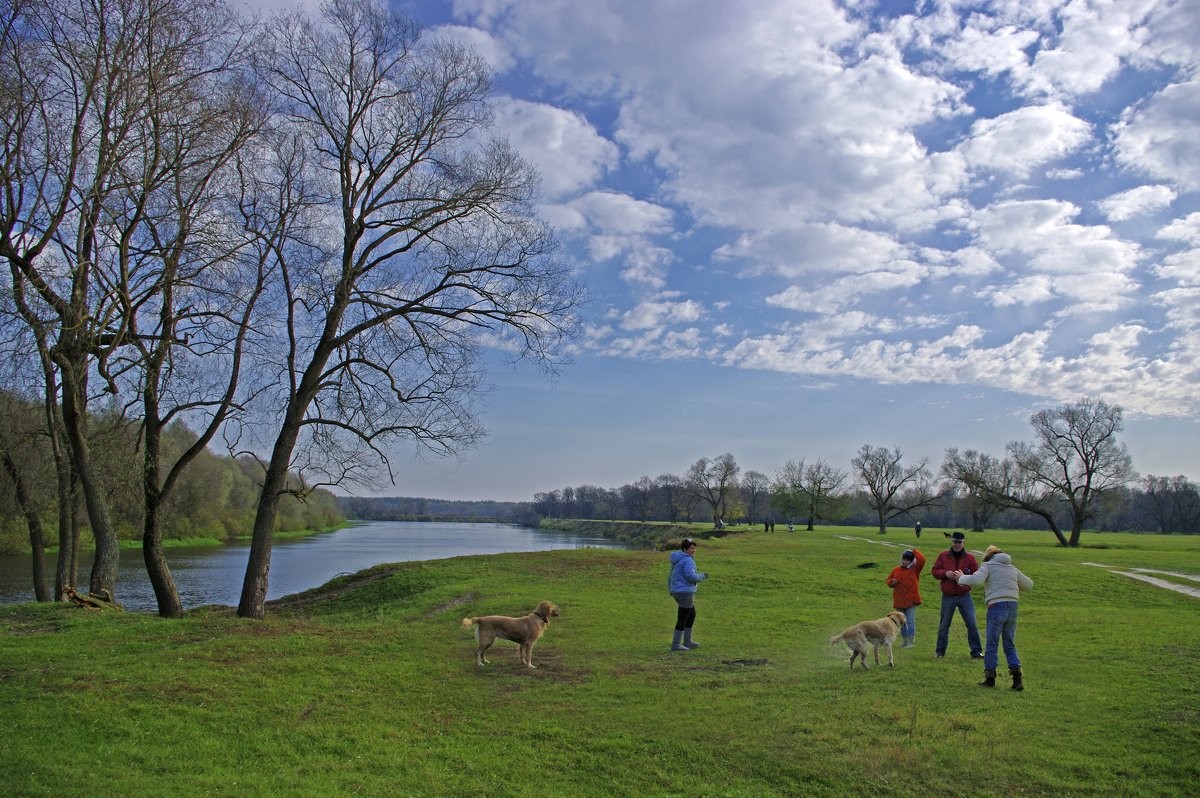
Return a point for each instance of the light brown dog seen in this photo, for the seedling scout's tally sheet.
(523, 631)
(871, 633)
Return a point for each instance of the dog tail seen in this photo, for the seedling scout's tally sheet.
(469, 621)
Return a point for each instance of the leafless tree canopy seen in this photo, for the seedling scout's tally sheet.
(406, 240)
(895, 489)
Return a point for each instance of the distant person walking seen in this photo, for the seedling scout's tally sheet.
(904, 580)
(955, 595)
(681, 584)
(1002, 586)
(918, 529)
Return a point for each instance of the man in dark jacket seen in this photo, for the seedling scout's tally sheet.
(955, 596)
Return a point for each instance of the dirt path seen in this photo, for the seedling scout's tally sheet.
(1140, 574)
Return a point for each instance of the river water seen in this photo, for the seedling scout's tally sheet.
(214, 574)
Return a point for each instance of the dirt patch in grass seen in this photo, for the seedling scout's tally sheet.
(457, 601)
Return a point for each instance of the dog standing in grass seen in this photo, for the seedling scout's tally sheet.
(878, 633)
(524, 631)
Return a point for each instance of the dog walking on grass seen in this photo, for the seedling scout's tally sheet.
(861, 636)
(524, 631)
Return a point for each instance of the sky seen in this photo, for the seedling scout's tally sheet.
(808, 225)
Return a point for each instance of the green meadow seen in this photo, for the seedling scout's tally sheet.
(368, 685)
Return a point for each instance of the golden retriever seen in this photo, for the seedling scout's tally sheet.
(874, 633)
(523, 631)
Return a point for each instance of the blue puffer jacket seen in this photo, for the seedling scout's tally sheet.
(684, 576)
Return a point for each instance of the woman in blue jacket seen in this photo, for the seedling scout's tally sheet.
(682, 586)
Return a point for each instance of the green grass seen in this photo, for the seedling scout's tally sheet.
(368, 686)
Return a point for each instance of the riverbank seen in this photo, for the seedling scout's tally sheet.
(642, 534)
(368, 686)
(88, 544)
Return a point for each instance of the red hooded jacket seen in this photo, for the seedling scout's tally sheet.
(903, 582)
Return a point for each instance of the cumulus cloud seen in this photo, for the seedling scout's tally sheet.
(489, 48)
(564, 147)
(1025, 139)
(1136, 202)
(898, 195)
(1158, 138)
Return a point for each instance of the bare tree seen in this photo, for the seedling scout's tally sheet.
(1073, 469)
(669, 490)
(824, 491)
(787, 490)
(78, 81)
(409, 243)
(189, 282)
(755, 488)
(636, 498)
(711, 482)
(1173, 503)
(1078, 457)
(810, 491)
(18, 438)
(974, 475)
(894, 489)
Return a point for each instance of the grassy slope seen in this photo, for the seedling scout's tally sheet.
(369, 687)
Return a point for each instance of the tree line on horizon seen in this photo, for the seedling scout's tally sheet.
(296, 234)
(1075, 474)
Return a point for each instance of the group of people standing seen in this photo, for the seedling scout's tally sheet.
(956, 570)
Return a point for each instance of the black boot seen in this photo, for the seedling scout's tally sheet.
(1017, 683)
(989, 679)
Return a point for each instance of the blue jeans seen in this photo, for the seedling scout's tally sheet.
(909, 629)
(1001, 626)
(966, 608)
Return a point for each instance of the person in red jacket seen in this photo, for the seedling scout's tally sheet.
(906, 595)
(956, 596)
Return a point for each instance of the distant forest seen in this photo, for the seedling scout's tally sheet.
(404, 508)
(215, 498)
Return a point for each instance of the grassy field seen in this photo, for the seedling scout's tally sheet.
(368, 686)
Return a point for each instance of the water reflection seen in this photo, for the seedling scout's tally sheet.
(213, 574)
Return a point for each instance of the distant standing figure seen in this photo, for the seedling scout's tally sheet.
(956, 596)
(904, 580)
(918, 528)
(1002, 586)
(682, 586)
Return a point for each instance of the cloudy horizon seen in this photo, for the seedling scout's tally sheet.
(859, 206)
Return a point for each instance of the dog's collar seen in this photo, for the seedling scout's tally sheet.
(543, 617)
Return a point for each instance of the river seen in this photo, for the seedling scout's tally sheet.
(213, 574)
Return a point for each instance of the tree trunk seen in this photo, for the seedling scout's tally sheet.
(34, 523)
(1076, 531)
(258, 565)
(74, 409)
(165, 592)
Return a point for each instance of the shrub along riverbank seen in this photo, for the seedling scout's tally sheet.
(368, 686)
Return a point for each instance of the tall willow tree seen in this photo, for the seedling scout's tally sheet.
(406, 241)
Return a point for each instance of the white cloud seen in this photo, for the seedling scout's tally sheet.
(803, 248)
(1159, 138)
(568, 152)
(653, 315)
(897, 198)
(1136, 202)
(489, 48)
(1186, 229)
(1025, 139)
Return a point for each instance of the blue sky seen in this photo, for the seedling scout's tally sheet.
(806, 226)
